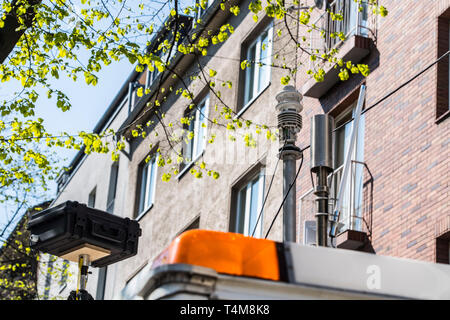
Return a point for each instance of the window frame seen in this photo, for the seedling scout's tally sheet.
(145, 202)
(443, 68)
(254, 70)
(193, 144)
(351, 195)
(442, 248)
(112, 187)
(92, 197)
(202, 11)
(307, 224)
(247, 185)
(134, 98)
(163, 54)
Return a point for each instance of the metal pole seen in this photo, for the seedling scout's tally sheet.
(289, 207)
(321, 193)
(83, 268)
(322, 165)
(289, 124)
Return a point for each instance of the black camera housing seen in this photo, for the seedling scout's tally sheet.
(71, 225)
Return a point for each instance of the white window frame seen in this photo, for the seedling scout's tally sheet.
(152, 75)
(112, 187)
(92, 197)
(305, 240)
(196, 152)
(350, 193)
(150, 186)
(246, 211)
(248, 99)
(201, 11)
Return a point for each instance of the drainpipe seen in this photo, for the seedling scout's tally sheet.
(289, 124)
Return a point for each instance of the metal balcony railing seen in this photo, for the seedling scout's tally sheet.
(350, 19)
(356, 213)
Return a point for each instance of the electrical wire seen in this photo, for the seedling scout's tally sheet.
(364, 111)
(285, 196)
(267, 195)
(396, 89)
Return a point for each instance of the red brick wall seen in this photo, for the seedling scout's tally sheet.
(405, 149)
(442, 93)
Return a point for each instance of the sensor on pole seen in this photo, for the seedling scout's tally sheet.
(289, 124)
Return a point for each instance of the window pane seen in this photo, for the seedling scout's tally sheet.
(352, 193)
(342, 145)
(254, 204)
(240, 219)
(250, 74)
(143, 189)
(264, 69)
(310, 233)
(112, 187)
(363, 16)
(248, 206)
(201, 131)
(342, 139)
(91, 198)
(359, 172)
(151, 180)
(190, 142)
(351, 10)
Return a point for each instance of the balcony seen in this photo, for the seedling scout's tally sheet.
(358, 27)
(355, 221)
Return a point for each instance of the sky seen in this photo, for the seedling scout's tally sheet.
(88, 102)
(88, 105)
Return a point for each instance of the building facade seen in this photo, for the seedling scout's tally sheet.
(400, 193)
(396, 201)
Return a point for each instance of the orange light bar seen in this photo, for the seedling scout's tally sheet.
(228, 253)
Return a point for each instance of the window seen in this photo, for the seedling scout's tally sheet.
(133, 97)
(148, 174)
(443, 67)
(112, 187)
(195, 142)
(192, 226)
(153, 74)
(101, 283)
(257, 73)
(162, 51)
(309, 233)
(248, 203)
(354, 21)
(91, 198)
(352, 195)
(443, 249)
(203, 5)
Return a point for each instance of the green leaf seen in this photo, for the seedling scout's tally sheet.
(212, 73)
(285, 80)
